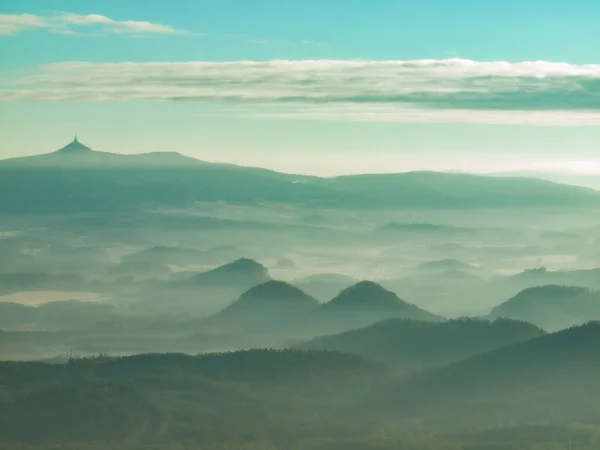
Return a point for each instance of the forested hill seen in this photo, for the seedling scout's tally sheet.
(409, 343)
(164, 398)
(549, 379)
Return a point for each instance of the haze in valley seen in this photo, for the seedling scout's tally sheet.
(267, 225)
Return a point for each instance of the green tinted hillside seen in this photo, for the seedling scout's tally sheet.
(412, 344)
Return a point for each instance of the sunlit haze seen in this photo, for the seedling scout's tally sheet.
(300, 225)
(283, 90)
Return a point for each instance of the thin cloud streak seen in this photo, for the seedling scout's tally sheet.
(415, 114)
(448, 90)
(80, 24)
(11, 24)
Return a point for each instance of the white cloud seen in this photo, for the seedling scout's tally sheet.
(449, 90)
(134, 26)
(68, 23)
(408, 114)
(15, 23)
(87, 19)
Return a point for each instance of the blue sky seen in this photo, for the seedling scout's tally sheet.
(395, 85)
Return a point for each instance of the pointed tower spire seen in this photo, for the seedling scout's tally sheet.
(75, 146)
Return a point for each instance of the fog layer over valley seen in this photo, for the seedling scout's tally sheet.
(156, 297)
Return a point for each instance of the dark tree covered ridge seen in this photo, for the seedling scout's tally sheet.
(311, 399)
(553, 306)
(408, 343)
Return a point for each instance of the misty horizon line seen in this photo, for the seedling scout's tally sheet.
(523, 172)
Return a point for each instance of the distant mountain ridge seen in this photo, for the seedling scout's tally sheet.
(73, 148)
(365, 303)
(425, 228)
(541, 276)
(76, 154)
(203, 293)
(369, 295)
(268, 303)
(325, 286)
(520, 383)
(410, 343)
(591, 180)
(240, 271)
(445, 265)
(552, 306)
(101, 181)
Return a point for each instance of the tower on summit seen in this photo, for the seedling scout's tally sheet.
(75, 147)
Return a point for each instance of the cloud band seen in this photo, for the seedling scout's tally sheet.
(440, 90)
(83, 24)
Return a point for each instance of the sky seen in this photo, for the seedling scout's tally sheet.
(321, 87)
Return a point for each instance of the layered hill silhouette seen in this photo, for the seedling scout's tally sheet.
(59, 315)
(201, 293)
(165, 255)
(417, 344)
(284, 309)
(308, 399)
(424, 229)
(433, 188)
(270, 304)
(325, 286)
(443, 265)
(34, 281)
(550, 379)
(552, 307)
(78, 155)
(542, 276)
(243, 271)
(164, 398)
(367, 296)
(363, 304)
(79, 179)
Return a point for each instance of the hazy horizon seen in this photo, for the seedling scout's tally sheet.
(299, 225)
(295, 89)
(579, 174)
